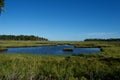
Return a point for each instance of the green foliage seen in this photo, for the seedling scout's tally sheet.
(1, 5)
(22, 37)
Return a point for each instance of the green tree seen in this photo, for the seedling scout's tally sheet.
(22, 37)
(1, 5)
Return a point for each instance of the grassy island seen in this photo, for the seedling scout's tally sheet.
(67, 49)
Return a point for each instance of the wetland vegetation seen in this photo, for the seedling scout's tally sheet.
(104, 65)
(68, 49)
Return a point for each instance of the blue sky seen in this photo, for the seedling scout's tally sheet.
(62, 19)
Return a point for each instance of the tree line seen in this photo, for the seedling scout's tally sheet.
(111, 39)
(22, 37)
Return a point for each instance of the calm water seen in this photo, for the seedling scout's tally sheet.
(52, 50)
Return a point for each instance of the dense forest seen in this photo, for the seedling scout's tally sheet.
(22, 37)
(111, 39)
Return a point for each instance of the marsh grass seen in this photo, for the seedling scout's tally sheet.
(37, 67)
(67, 49)
(96, 66)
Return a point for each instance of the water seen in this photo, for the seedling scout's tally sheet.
(57, 50)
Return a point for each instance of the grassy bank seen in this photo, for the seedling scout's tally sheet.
(36, 67)
(47, 43)
(96, 66)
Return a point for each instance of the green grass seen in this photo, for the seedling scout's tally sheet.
(97, 66)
